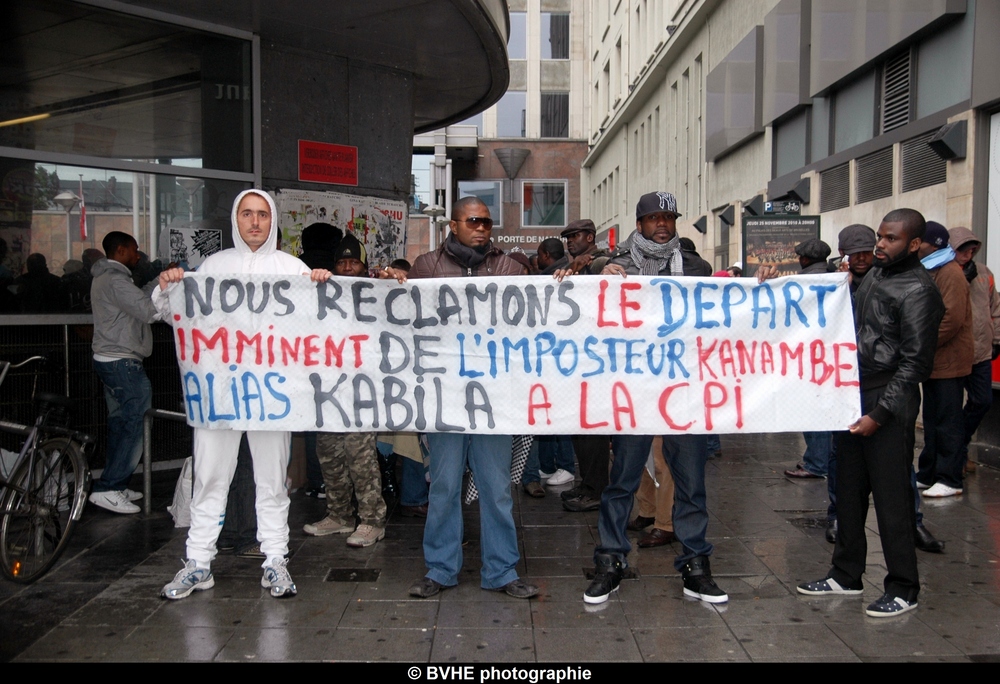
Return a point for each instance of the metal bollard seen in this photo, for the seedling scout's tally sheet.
(147, 452)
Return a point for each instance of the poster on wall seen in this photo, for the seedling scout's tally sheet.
(772, 240)
(190, 245)
(379, 224)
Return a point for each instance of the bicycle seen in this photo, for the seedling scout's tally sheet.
(43, 498)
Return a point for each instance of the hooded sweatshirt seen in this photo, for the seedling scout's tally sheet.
(267, 260)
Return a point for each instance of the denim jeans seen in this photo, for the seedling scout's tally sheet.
(128, 395)
(555, 452)
(944, 432)
(713, 445)
(532, 465)
(816, 459)
(314, 473)
(413, 490)
(686, 456)
(489, 457)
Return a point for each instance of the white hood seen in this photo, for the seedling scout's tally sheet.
(269, 247)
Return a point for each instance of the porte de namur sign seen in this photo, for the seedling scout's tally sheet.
(517, 355)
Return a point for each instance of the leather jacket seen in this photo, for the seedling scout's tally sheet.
(441, 264)
(897, 313)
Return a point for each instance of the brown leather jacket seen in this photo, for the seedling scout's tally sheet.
(955, 349)
(441, 264)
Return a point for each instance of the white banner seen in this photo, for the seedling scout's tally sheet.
(517, 355)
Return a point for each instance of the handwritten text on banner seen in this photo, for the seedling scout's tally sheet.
(517, 355)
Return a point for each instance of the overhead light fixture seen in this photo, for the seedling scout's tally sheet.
(24, 120)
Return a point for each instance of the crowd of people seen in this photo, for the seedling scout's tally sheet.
(927, 315)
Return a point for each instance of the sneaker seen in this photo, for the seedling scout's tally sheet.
(940, 491)
(921, 486)
(889, 606)
(574, 493)
(582, 504)
(425, 587)
(698, 582)
(190, 578)
(327, 526)
(829, 587)
(534, 489)
(277, 579)
(518, 589)
(116, 502)
(252, 551)
(561, 477)
(543, 476)
(132, 495)
(365, 535)
(606, 580)
(317, 492)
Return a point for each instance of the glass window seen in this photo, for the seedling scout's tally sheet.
(555, 115)
(790, 144)
(490, 192)
(555, 36)
(517, 43)
(420, 193)
(82, 80)
(172, 218)
(944, 66)
(543, 203)
(511, 115)
(820, 148)
(854, 113)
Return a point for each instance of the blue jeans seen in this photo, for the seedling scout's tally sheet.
(532, 466)
(413, 490)
(128, 395)
(942, 459)
(489, 457)
(555, 452)
(816, 459)
(686, 456)
(979, 386)
(713, 444)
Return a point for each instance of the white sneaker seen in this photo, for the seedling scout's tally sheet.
(543, 476)
(921, 485)
(940, 490)
(277, 579)
(560, 477)
(116, 502)
(190, 578)
(132, 495)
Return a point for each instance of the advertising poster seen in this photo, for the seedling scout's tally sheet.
(772, 239)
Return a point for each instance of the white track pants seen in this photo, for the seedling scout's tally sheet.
(215, 454)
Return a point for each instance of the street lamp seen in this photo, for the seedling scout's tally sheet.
(68, 201)
(435, 212)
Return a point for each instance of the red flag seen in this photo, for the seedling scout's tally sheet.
(83, 214)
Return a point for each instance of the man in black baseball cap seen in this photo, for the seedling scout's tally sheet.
(856, 242)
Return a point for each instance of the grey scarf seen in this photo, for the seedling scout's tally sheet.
(652, 257)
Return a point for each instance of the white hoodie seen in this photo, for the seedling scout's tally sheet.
(267, 260)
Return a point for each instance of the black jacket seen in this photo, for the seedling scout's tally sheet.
(897, 312)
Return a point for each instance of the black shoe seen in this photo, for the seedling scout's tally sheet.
(831, 531)
(574, 493)
(698, 582)
(925, 541)
(640, 523)
(518, 589)
(606, 579)
(316, 492)
(582, 504)
(425, 587)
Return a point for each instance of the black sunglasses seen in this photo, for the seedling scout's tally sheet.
(486, 223)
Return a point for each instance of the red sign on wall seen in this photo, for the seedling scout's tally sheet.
(325, 163)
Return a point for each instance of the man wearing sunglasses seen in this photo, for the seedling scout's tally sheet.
(468, 251)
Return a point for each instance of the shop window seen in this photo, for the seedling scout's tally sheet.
(555, 115)
(517, 43)
(511, 115)
(555, 36)
(543, 203)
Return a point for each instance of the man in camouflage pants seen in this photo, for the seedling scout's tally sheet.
(349, 460)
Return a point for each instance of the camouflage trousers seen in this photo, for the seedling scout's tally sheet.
(349, 463)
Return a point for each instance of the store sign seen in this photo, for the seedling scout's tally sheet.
(327, 163)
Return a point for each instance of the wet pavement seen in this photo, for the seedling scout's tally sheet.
(101, 603)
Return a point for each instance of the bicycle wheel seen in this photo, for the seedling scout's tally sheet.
(38, 509)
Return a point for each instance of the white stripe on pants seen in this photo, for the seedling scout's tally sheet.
(215, 454)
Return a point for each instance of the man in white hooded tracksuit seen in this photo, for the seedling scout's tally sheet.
(215, 451)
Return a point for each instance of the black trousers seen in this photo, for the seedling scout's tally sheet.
(593, 453)
(879, 465)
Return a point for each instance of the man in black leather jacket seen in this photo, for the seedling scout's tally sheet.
(897, 313)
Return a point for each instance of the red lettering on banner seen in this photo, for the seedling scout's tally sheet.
(664, 398)
(243, 341)
(726, 357)
(601, 323)
(357, 340)
(334, 350)
(703, 357)
(629, 304)
(221, 337)
(738, 391)
(838, 366)
(584, 423)
(625, 406)
(787, 353)
(766, 357)
(289, 350)
(817, 355)
(712, 404)
(543, 404)
(310, 350)
(180, 344)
